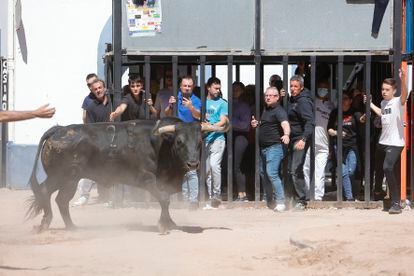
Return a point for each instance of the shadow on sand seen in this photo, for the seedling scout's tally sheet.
(186, 229)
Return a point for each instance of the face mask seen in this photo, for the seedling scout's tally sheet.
(323, 92)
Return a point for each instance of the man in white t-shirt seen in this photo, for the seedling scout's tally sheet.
(391, 141)
(323, 108)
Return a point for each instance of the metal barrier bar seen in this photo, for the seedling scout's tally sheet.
(147, 84)
(257, 115)
(312, 145)
(117, 50)
(202, 183)
(367, 164)
(285, 80)
(175, 81)
(339, 130)
(230, 132)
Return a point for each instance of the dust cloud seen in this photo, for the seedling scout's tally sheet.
(240, 241)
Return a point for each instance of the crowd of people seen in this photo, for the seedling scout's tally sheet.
(286, 125)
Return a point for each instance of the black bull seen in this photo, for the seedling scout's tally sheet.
(151, 155)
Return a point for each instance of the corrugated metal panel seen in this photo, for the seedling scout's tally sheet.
(198, 26)
(288, 27)
(323, 25)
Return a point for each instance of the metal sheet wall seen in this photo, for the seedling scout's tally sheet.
(294, 26)
(323, 25)
(202, 26)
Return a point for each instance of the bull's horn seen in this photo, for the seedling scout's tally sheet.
(166, 129)
(213, 128)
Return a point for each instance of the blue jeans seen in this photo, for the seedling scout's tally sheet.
(348, 170)
(270, 160)
(190, 186)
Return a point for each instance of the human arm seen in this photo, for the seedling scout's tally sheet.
(404, 89)
(118, 111)
(286, 132)
(376, 109)
(154, 111)
(84, 116)
(12, 116)
(170, 108)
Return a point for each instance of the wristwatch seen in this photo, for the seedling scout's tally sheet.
(303, 139)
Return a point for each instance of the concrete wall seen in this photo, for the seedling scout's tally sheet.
(3, 28)
(53, 56)
(59, 44)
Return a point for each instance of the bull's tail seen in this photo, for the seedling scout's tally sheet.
(36, 202)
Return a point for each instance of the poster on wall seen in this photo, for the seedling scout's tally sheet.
(144, 17)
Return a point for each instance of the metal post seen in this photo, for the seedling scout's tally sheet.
(230, 132)
(147, 60)
(117, 50)
(117, 189)
(412, 128)
(257, 149)
(397, 28)
(285, 80)
(367, 175)
(175, 81)
(202, 183)
(312, 145)
(257, 61)
(339, 130)
(4, 94)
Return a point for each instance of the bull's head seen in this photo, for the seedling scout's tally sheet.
(186, 140)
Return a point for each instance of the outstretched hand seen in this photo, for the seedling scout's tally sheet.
(44, 111)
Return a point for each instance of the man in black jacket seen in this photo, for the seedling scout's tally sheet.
(300, 114)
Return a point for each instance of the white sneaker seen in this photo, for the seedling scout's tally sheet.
(81, 201)
(280, 207)
(209, 207)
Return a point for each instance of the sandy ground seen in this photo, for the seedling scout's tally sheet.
(241, 241)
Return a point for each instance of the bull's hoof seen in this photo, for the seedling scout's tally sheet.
(71, 227)
(37, 229)
(271, 204)
(164, 226)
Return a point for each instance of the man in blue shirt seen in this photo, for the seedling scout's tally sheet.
(216, 114)
(188, 110)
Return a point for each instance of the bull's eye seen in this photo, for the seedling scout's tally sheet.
(179, 141)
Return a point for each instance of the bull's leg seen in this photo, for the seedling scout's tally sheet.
(65, 194)
(166, 223)
(46, 191)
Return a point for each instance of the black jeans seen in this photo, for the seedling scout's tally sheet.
(390, 155)
(295, 167)
(240, 144)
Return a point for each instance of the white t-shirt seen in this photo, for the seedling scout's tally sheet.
(323, 109)
(392, 133)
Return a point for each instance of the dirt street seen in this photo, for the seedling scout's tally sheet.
(208, 242)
